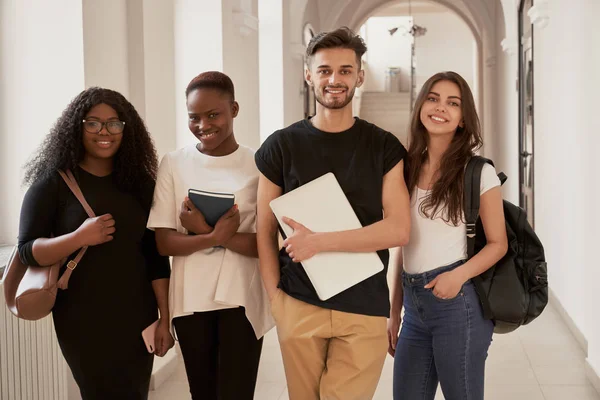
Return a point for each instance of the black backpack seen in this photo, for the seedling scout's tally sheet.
(515, 290)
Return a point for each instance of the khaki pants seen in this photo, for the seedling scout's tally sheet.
(328, 354)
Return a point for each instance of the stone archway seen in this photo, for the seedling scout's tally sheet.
(363, 16)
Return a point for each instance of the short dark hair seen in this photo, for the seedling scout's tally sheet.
(341, 38)
(212, 80)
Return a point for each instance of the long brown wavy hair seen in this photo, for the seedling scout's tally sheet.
(446, 196)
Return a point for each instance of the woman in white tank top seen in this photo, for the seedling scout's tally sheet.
(444, 337)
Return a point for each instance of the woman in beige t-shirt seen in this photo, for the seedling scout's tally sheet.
(218, 304)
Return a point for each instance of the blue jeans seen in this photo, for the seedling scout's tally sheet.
(443, 341)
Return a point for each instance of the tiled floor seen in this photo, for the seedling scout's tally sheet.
(541, 361)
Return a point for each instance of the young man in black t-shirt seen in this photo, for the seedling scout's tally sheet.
(333, 349)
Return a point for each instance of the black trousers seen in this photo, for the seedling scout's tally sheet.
(221, 354)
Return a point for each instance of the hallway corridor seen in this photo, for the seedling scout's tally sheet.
(532, 66)
(542, 361)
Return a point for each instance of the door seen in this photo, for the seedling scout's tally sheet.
(310, 102)
(526, 129)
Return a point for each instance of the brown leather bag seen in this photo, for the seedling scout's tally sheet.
(30, 292)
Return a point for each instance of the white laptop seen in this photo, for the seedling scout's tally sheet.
(322, 206)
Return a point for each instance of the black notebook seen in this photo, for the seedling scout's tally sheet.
(211, 205)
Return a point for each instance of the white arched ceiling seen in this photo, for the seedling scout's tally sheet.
(360, 19)
(477, 13)
(375, 6)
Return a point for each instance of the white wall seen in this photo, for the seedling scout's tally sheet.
(271, 62)
(386, 51)
(562, 129)
(505, 134)
(240, 62)
(590, 65)
(293, 86)
(134, 47)
(566, 142)
(105, 44)
(567, 215)
(198, 48)
(201, 30)
(123, 46)
(306, 11)
(294, 51)
(129, 47)
(42, 69)
(566, 171)
(156, 91)
(447, 45)
(311, 15)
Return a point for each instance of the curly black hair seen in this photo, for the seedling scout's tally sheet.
(136, 161)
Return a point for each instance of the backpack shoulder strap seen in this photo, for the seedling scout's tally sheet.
(472, 202)
(472, 199)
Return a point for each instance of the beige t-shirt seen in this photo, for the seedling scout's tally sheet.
(216, 278)
(434, 243)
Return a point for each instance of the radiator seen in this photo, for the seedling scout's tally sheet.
(31, 364)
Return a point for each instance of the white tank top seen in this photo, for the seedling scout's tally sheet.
(434, 243)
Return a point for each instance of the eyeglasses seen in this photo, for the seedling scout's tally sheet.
(112, 127)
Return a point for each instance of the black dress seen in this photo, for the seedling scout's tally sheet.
(100, 317)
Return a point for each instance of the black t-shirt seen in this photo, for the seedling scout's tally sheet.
(359, 158)
(111, 287)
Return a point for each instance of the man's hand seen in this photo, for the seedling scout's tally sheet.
(302, 244)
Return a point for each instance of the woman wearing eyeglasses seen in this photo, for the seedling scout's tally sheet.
(115, 291)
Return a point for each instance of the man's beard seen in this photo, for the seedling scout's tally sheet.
(334, 104)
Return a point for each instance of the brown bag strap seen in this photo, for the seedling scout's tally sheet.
(63, 282)
(72, 184)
